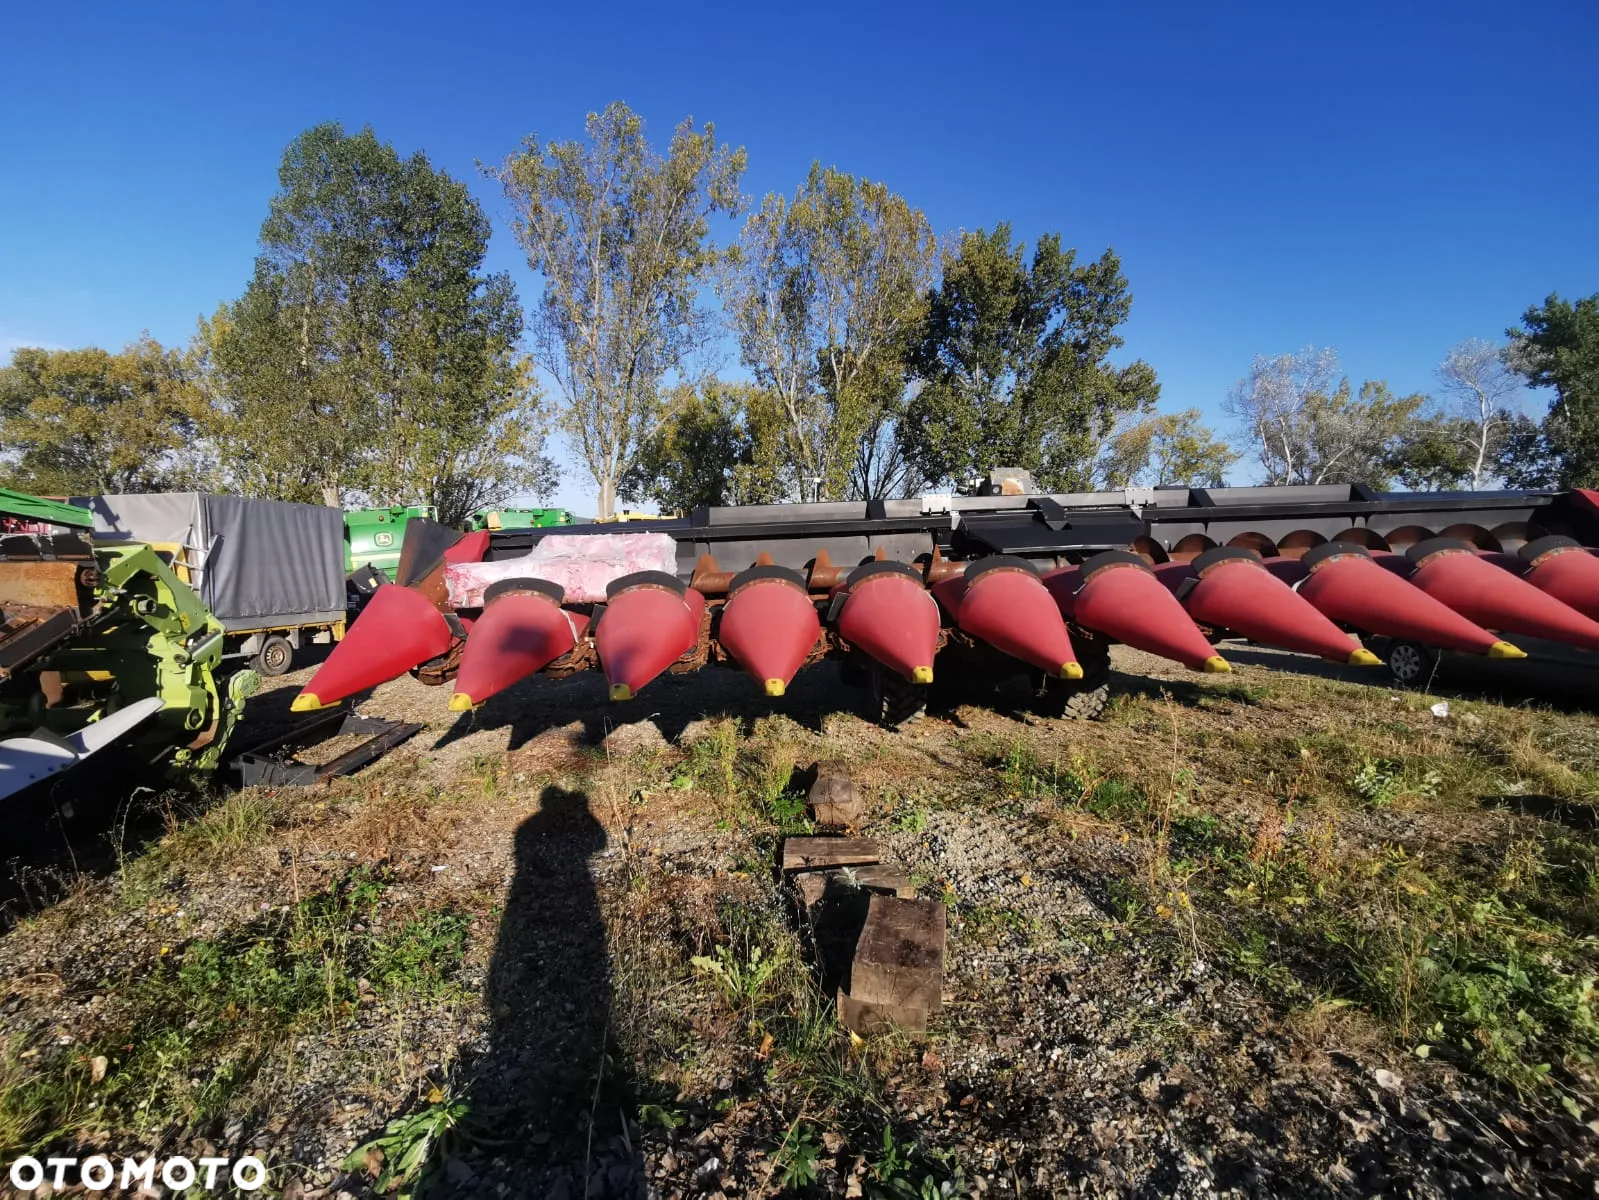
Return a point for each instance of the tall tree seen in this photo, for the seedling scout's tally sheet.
(716, 443)
(824, 292)
(1167, 449)
(1015, 367)
(1439, 452)
(89, 422)
(620, 236)
(1557, 346)
(1478, 390)
(369, 353)
(1309, 426)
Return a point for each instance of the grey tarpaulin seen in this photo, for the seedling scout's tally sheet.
(255, 563)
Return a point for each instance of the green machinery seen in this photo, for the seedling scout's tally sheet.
(518, 518)
(102, 645)
(373, 536)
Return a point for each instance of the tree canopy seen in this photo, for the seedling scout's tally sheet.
(1014, 363)
(89, 422)
(823, 292)
(716, 443)
(620, 235)
(1557, 346)
(1308, 425)
(1167, 449)
(369, 354)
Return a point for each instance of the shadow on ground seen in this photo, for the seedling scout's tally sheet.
(549, 1096)
(539, 704)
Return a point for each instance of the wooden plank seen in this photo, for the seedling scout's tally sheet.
(888, 878)
(819, 853)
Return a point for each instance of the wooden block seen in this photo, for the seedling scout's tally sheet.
(899, 960)
(887, 878)
(819, 853)
(834, 799)
(865, 1018)
(811, 886)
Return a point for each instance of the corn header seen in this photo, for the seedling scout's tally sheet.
(958, 590)
(101, 645)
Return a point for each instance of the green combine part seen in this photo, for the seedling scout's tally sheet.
(102, 645)
(373, 536)
(518, 518)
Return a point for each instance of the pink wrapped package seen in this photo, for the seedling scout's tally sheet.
(582, 565)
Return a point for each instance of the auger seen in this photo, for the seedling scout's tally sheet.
(1024, 583)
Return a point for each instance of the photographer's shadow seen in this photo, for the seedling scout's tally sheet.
(552, 1095)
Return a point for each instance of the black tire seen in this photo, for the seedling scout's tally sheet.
(1411, 664)
(1084, 699)
(276, 657)
(894, 701)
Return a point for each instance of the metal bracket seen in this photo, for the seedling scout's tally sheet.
(262, 765)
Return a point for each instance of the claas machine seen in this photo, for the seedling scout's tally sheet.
(102, 644)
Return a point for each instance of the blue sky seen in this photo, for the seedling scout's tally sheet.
(1386, 179)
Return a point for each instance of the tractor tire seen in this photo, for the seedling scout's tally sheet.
(894, 701)
(275, 657)
(1084, 699)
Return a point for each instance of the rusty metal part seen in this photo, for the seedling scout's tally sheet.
(30, 633)
(263, 765)
(44, 584)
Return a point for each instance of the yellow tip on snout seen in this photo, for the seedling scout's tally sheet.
(1216, 665)
(1505, 650)
(775, 687)
(460, 702)
(620, 691)
(1071, 670)
(922, 674)
(1363, 658)
(305, 702)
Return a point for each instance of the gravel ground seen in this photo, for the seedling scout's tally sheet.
(1070, 1059)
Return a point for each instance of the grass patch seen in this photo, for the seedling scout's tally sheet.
(186, 1038)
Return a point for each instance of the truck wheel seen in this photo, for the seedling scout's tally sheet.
(1411, 663)
(275, 656)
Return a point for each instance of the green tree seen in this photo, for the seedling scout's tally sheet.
(620, 236)
(1525, 457)
(1014, 363)
(1307, 425)
(718, 443)
(1557, 346)
(369, 353)
(825, 292)
(1167, 449)
(89, 422)
(1441, 452)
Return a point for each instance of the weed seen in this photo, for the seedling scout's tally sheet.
(420, 959)
(797, 1158)
(402, 1158)
(1381, 781)
(911, 818)
(742, 979)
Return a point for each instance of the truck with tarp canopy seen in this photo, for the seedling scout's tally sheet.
(272, 573)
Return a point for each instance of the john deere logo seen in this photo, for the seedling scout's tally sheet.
(384, 539)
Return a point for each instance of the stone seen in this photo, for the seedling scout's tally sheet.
(813, 853)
